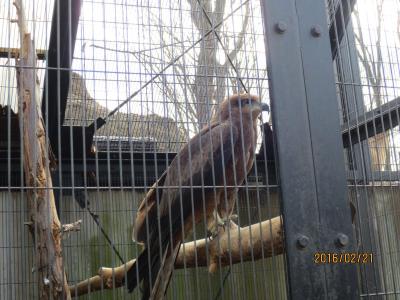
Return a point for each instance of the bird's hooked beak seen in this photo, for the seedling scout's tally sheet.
(264, 107)
(261, 106)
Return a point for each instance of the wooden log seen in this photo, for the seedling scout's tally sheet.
(44, 223)
(238, 244)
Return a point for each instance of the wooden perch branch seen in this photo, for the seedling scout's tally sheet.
(238, 244)
(66, 229)
(76, 226)
(44, 224)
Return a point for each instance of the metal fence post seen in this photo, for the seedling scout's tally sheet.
(310, 154)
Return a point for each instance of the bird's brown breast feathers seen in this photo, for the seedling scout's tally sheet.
(218, 156)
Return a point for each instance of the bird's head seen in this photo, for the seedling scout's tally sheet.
(245, 104)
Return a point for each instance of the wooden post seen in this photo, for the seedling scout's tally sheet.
(44, 223)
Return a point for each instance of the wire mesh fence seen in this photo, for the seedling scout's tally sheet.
(154, 73)
(367, 84)
(128, 95)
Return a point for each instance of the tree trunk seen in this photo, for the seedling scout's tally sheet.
(205, 84)
(44, 223)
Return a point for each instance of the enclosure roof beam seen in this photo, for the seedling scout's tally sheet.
(59, 58)
(14, 53)
(371, 123)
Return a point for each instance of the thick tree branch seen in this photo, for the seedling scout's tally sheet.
(365, 56)
(238, 244)
(67, 228)
(240, 38)
(373, 65)
(44, 224)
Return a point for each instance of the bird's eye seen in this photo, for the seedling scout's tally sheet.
(245, 102)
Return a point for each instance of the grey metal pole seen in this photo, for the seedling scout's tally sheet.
(310, 154)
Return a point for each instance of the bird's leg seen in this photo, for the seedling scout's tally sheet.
(224, 221)
(220, 222)
(215, 224)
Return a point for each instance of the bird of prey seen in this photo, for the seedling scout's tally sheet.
(202, 179)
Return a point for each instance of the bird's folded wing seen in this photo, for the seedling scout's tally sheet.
(200, 164)
(139, 229)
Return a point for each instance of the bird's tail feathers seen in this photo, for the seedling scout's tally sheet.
(138, 271)
(154, 268)
(149, 279)
(164, 275)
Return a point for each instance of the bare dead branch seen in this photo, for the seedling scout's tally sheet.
(67, 228)
(379, 60)
(365, 56)
(21, 21)
(240, 38)
(45, 226)
(373, 66)
(236, 245)
(366, 66)
(398, 25)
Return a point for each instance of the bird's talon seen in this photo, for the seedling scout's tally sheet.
(212, 234)
(234, 217)
(220, 222)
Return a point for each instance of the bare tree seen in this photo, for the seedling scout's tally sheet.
(195, 96)
(210, 81)
(370, 57)
(211, 75)
(202, 77)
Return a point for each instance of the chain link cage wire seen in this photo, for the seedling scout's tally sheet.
(125, 84)
(367, 72)
(155, 73)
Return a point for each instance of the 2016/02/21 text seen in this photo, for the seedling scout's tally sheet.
(343, 258)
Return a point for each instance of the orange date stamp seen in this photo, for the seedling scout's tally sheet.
(343, 258)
